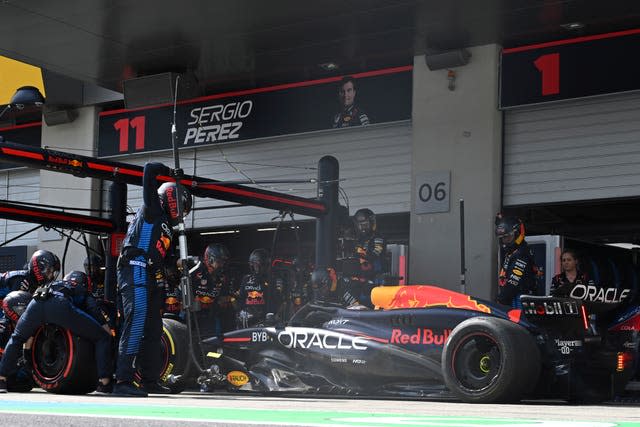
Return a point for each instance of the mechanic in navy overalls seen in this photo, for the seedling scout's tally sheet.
(210, 284)
(145, 246)
(256, 296)
(43, 268)
(518, 272)
(370, 250)
(14, 305)
(65, 303)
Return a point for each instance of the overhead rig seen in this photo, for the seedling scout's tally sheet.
(325, 208)
(85, 166)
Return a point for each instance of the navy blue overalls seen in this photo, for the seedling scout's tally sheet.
(147, 242)
(70, 307)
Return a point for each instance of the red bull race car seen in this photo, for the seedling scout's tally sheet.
(426, 341)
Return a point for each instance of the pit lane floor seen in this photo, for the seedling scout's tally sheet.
(195, 409)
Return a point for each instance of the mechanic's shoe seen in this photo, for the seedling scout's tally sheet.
(128, 389)
(155, 387)
(104, 388)
(3, 386)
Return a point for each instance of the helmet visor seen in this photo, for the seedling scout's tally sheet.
(507, 238)
(363, 226)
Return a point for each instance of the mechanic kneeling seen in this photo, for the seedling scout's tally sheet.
(65, 303)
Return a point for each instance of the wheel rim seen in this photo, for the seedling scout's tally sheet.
(476, 361)
(51, 352)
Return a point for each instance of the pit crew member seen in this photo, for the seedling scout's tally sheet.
(145, 246)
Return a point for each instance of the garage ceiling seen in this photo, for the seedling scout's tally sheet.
(245, 43)
(241, 44)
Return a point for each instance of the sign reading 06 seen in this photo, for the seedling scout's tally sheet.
(432, 192)
(567, 69)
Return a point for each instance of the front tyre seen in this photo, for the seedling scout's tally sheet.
(490, 360)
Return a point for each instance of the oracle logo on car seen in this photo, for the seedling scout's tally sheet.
(606, 295)
(421, 336)
(307, 338)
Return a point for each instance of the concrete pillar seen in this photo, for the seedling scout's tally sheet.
(459, 131)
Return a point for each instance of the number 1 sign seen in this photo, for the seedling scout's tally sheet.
(567, 69)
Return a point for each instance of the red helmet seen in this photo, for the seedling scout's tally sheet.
(168, 193)
(44, 266)
(15, 303)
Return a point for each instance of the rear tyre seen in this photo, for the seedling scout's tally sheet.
(62, 362)
(176, 360)
(175, 355)
(490, 360)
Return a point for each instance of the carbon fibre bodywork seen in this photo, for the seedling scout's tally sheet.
(399, 350)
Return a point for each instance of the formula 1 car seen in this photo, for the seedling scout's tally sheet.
(426, 340)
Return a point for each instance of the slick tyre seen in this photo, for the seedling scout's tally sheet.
(490, 360)
(175, 356)
(62, 362)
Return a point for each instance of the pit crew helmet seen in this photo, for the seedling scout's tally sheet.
(93, 266)
(259, 261)
(168, 193)
(215, 252)
(509, 230)
(44, 266)
(15, 303)
(76, 278)
(364, 222)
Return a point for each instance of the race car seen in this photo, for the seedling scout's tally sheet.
(424, 341)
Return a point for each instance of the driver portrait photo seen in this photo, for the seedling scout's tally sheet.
(350, 113)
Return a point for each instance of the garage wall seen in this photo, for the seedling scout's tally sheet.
(19, 185)
(458, 131)
(578, 150)
(374, 169)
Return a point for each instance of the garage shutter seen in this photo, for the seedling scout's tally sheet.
(375, 169)
(580, 150)
(19, 185)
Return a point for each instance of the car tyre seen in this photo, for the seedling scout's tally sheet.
(490, 360)
(63, 363)
(175, 356)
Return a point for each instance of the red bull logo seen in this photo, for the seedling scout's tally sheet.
(172, 304)
(423, 296)
(254, 294)
(421, 336)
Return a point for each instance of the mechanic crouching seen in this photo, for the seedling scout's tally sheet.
(13, 306)
(43, 268)
(65, 303)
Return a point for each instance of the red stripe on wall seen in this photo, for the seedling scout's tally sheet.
(392, 70)
(571, 41)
